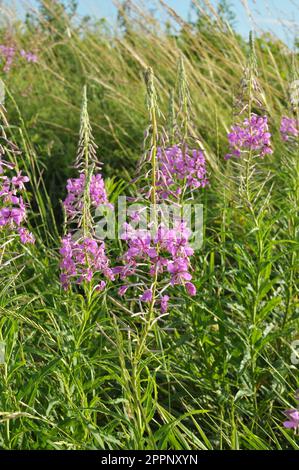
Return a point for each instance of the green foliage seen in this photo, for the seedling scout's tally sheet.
(216, 373)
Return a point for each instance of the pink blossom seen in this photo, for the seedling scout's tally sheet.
(122, 290)
(100, 287)
(73, 203)
(19, 180)
(190, 288)
(147, 296)
(293, 421)
(178, 269)
(288, 128)
(82, 259)
(164, 303)
(166, 255)
(6, 165)
(252, 135)
(179, 167)
(12, 206)
(26, 236)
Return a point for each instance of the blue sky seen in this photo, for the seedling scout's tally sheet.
(278, 16)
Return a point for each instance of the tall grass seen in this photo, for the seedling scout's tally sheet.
(216, 373)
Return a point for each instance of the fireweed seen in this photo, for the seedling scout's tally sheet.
(293, 416)
(250, 141)
(81, 260)
(288, 128)
(178, 167)
(181, 169)
(9, 55)
(12, 189)
(160, 253)
(156, 259)
(166, 257)
(74, 202)
(251, 136)
(83, 255)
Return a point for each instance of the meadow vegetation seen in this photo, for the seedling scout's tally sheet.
(82, 369)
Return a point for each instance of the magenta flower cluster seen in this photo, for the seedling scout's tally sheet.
(9, 54)
(81, 260)
(293, 416)
(179, 166)
(163, 256)
(29, 56)
(166, 253)
(84, 257)
(12, 205)
(252, 135)
(288, 128)
(74, 201)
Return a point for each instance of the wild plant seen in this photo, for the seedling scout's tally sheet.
(83, 255)
(12, 189)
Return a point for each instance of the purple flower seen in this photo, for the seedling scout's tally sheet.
(13, 210)
(81, 260)
(179, 167)
(73, 203)
(178, 269)
(288, 128)
(5, 214)
(293, 421)
(29, 56)
(293, 416)
(8, 191)
(8, 54)
(26, 236)
(12, 216)
(191, 289)
(5, 165)
(17, 214)
(122, 290)
(166, 255)
(252, 135)
(19, 180)
(100, 287)
(147, 296)
(97, 190)
(135, 216)
(164, 304)
(175, 241)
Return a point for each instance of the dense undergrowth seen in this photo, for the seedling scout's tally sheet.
(82, 372)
